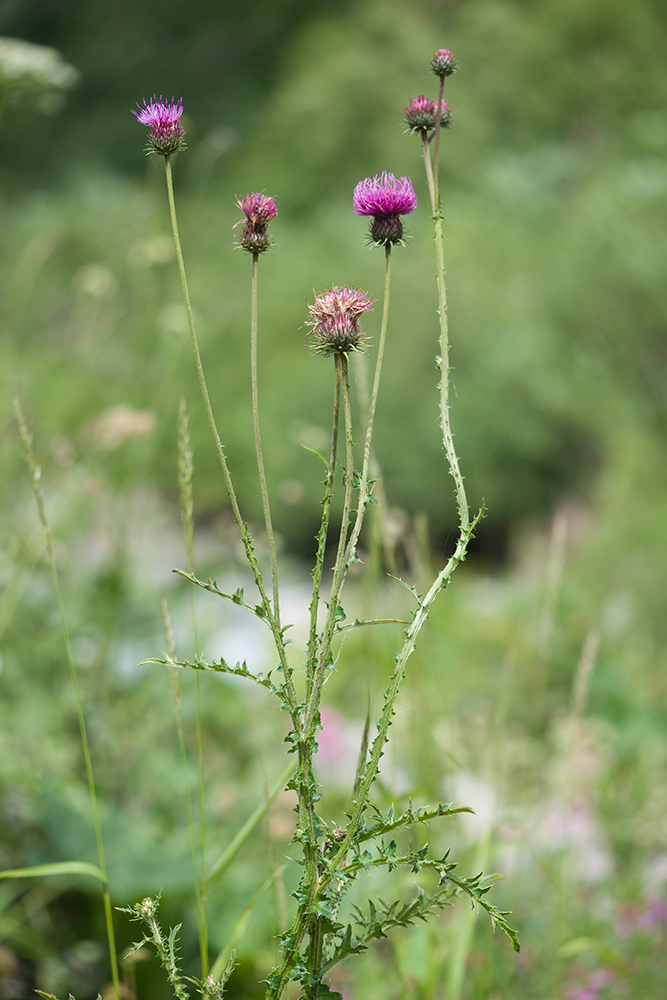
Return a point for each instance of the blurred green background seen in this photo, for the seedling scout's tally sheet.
(555, 195)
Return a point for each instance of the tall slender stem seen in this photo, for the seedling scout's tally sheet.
(364, 495)
(436, 141)
(202, 828)
(347, 555)
(196, 877)
(185, 475)
(445, 423)
(246, 538)
(339, 565)
(305, 796)
(306, 810)
(258, 440)
(35, 475)
(322, 536)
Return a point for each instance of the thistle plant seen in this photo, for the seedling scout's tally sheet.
(332, 856)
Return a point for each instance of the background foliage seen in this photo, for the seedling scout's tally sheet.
(555, 191)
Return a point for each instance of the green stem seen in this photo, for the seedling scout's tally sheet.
(339, 566)
(364, 495)
(35, 475)
(185, 475)
(466, 526)
(436, 142)
(258, 440)
(347, 555)
(322, 537)
(176, 695)
(304, 920)
(203, 944)
(290, 693)
(411, 634)
(448, 438)
(306, 814)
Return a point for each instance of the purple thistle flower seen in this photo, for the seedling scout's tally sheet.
(334, 320)
(386, 199)
(443, 63)
(166, 134)
(258, 209)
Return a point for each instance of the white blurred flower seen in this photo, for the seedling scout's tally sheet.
(34, 74)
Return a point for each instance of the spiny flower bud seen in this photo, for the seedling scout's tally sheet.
(334, 321)
(421, 114)
(166, 134)
(386, 198)
(443, 63)
(258, 209)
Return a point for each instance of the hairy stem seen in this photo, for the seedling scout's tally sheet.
(364, 495)
(436, 141)
(447, 436)
(347, 555)
(322, 537)
(411, 635)
(258, 440)
(466, 526)
(35, 476)
(339, 566)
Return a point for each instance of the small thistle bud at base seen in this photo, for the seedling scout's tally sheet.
(445, 115)
(443, 63)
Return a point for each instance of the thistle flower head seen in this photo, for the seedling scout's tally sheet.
(443, 63)
(385, 198)
(420, 114)
(258, 209)
(334, 321)
(166, 135)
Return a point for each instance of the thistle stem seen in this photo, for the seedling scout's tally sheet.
(35, 476)
(322, 536)
(203, 943)
(306, 818)
(258, 440)
(176, 695)
(445, 423)
(436, 143)
(246, 537)
(185, 474)
(347, 554)
(364, 495)
(339, 565)
(305, 796)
